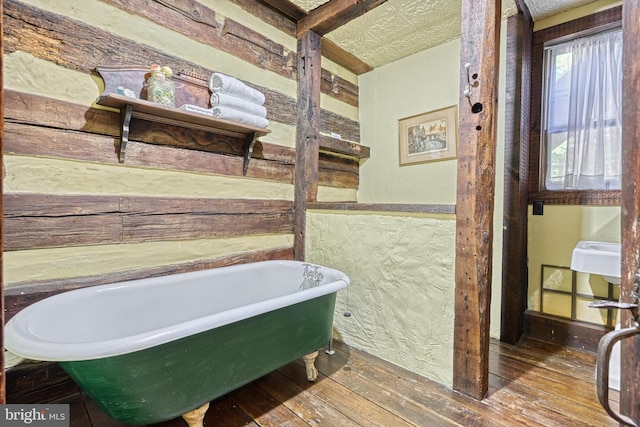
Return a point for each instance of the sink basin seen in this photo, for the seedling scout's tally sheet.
(601, 258)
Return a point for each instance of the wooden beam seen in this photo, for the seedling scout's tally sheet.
(24, 24)
(334, 14)
(36, 221)
(563, 332)
(291, 11)
(346, 148)
(287, 8)
(307, 134)
(523, 9)
(341, 57)
(630, 378)
(475, 194)
(516, 166)
(383, 207)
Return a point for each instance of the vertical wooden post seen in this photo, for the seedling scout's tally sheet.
(3, 387)
(516, 165)
(475, 192)
(307, 134)
(630, 378)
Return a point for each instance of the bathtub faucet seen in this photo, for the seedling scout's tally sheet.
(311, 276)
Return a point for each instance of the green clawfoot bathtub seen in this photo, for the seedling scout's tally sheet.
(154, 349)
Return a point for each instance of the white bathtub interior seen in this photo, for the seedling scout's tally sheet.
(113, 319)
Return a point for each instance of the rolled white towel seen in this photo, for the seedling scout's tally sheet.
(228, 113)
(196, 109)
(227, 84)
(221, 99)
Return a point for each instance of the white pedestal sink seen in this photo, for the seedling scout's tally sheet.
(602, 258)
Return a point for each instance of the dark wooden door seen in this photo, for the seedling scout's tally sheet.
(630, 348)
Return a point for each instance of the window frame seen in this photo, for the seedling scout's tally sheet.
(565, 31)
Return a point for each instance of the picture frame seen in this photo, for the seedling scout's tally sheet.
(429, 137)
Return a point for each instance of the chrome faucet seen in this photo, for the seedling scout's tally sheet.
(311, 276)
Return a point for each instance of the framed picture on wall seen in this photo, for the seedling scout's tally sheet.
(429, 137)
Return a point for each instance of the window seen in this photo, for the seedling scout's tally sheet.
(581, 113)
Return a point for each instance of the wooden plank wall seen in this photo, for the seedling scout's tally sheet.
(69, 205)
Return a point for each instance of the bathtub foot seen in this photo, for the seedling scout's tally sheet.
(195, 418)
(309, 363)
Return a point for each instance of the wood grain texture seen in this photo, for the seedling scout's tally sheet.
(630, 348)
(331, 15)
(307, 135)
(583, 336)
(384, 207)
(284, 15)
(81, 47)
(288, 8)
(34, 128)
(475, 196)
(339, 146)
(44, 221)
(338, 55)
(516, 155)
(198, 23)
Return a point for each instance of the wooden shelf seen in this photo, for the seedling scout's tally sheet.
(345, 148)
(150, 111)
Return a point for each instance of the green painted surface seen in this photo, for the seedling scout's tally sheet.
(163, 382)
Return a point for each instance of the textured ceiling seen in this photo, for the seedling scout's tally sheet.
(399, 28)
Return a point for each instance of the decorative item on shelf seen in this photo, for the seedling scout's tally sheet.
(126, 92)
(191, 94)
(160, 88)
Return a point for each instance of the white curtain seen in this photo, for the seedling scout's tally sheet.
(584, 113)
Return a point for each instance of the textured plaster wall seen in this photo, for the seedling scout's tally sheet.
(420, 83)
(402, 266)
(401, 294)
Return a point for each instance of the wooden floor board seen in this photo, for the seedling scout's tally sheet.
(547, 409)
(556, 362)
(383, 389)
(576, 391)
(303, 403)
(431, 397)
(351, 403)
(531, 384)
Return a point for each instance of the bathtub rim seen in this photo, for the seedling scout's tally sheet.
(20, 341)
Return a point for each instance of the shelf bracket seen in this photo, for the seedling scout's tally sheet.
(249, 143)
(125, 116)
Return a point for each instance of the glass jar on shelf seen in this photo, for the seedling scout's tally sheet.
(160, 87)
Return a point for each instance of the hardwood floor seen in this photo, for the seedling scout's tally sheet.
(532, 384)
